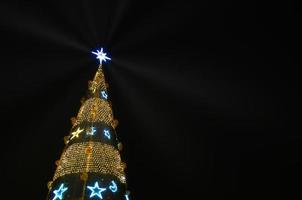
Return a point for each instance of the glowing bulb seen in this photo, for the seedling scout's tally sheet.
(101, 56)
(123, 178)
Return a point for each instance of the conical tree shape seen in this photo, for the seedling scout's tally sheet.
(90, 166)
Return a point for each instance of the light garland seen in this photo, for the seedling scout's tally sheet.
(103, 158)
(95, 110)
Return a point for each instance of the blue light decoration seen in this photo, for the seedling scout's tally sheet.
(96, 190)
(104, 94)
(127, 197)
(59, 192)
(92, 131)
(107, 133)
(113, 186)
(101, 56)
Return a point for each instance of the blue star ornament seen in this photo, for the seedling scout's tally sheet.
(59, 192)
(104, 94)
(107, 133)
(96, 190)
(101, 56)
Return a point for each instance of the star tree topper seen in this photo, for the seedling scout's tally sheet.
(101, 56)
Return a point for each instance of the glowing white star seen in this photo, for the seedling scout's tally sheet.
(59, 192)
(96, 190)
(101, 56)
(113, 186)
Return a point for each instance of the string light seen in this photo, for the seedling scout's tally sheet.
(95, 110)
(84, 156)
(103, 158)
(98, 81)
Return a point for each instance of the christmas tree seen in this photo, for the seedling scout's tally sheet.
(90, 166)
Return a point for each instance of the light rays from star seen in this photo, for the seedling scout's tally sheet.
(35, 27)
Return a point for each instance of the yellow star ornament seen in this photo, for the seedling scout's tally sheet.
(76, 133)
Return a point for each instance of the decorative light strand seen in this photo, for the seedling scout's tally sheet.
(95, 110)
(91, 157)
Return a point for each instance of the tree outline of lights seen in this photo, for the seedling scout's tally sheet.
(103, 112)
(84, 157)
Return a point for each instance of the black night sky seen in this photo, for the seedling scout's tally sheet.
(205, 93)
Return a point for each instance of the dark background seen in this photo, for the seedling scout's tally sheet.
(205, 93)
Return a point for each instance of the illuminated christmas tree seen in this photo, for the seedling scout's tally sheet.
(90, 166)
